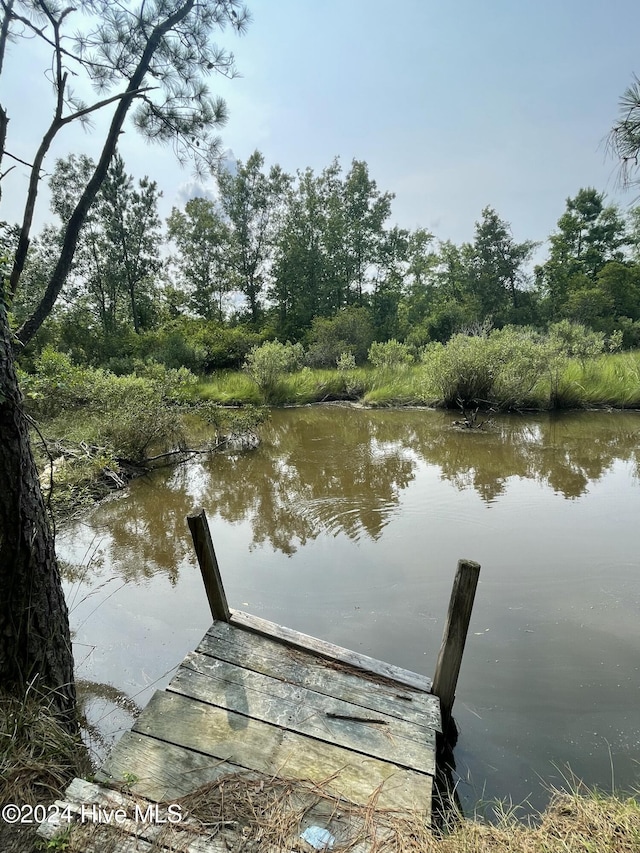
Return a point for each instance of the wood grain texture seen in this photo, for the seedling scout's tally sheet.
(254, 745)
(299, 667)
(329, 650)
(208, 562)
(161, 770)
(306, 712)
(454, 635)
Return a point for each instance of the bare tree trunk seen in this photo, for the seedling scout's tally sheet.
(35, 642)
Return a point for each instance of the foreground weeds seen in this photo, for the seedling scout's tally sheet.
(38, 759)
(256, 814)
(275, 813)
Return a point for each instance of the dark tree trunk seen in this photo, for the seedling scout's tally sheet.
(35, 642)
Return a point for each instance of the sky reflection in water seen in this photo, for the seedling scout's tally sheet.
(348, 524)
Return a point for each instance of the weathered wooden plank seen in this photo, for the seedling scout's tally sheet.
(157, 770)
(306, 712)
(295, 666)
(329, 650)
(269, 749)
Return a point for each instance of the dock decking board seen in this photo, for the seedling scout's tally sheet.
(296, 666)
(306, 712)
(328, 650)
(264, 700)
(160, 771)
(251, 744)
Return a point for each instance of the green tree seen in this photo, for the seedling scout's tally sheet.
(588, 236)
(620, 284)
(331, 244)
(302, 275)
(418, 284)
(132, 238)
(117, 255)
(252, 202)
(389, 282)
(624, 138)
(440, 300)
(497, 267)
(203, 240)
(154, 58)
(355, 231)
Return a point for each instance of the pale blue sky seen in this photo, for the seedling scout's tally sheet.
(454, 104)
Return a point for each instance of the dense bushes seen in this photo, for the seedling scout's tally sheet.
(349, 331)
(125, 415)
(510, 368)
(197, 344)
(389, 354)
(499, 369)
(267, 364)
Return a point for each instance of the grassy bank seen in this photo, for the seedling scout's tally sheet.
(94, 430)
(610, 380)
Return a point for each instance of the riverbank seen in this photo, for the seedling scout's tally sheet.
(607, 381)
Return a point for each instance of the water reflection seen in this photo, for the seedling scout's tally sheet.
(385, 503)
(335, 470)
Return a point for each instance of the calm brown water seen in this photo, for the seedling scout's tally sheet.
(348, 524)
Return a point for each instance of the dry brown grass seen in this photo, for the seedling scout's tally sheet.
(257, 815)
(38, 759)
(274, 814)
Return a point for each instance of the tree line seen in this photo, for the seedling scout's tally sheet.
(293, 257)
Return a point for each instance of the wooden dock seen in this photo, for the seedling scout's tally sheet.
(268, 703)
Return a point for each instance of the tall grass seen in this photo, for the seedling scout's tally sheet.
(230, 388)
(610, 380)
(398, 385)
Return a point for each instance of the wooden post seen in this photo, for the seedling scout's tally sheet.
(454, 636)
(203, 544)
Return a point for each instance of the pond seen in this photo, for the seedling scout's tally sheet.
(347, 524)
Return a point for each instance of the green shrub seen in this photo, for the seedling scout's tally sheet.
(575, 340)
(174, 385)
(346, 361)
(57, 384)
(174, 349)
(461, 371)
(520, 359)
(501, 369)
(389, 354)
(350, 330)
(268, 363)
(138, 420)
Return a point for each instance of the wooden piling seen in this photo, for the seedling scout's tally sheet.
(203, 544)
(454, 636)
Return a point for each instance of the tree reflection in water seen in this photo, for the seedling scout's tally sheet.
(337, 470)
